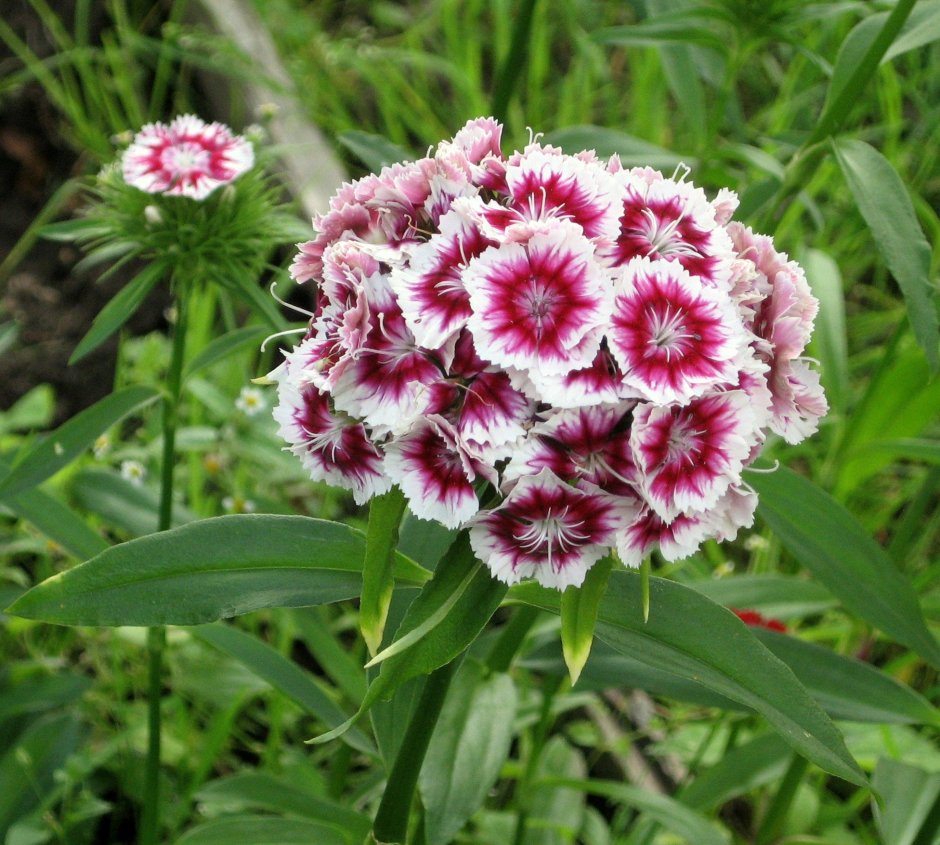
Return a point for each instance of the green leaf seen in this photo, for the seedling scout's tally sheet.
(119, 310)
(378, 581)
(607, 142)
(671, 814)
(780, 596)
(910, 801)
(656, 32)
(829, 342)
(828, 541)
(921, 28)
(262, 791)
(607, 668)
(885, 204)
(67, 442)
(133, 508)
(579, 615)
(745, 768)
(327, 649)
(911, 448)
(28, 767)
(374, 151)
(209, 570)
(849, 689)
(445, 617)
(222, 347)
(423, 540)
(261, 830)
(35, 409)
(282, 674)
(694, 638)
(55, 520)
(471, 741)
(857, 61)
(901, 401)
(47, 692)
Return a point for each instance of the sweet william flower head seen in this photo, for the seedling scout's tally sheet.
(187, 157)
(558, 354)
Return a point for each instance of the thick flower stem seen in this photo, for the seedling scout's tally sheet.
(156, 637)
(391, 821)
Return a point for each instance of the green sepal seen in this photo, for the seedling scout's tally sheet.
(378, 580)
(579, 616)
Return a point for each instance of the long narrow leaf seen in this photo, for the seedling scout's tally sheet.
(445, 617)
(690, 636)
(55, 520)
(828, 541)
(282, 674)
(119, 310)
(72, 438)
(209, 570)
(886, 206)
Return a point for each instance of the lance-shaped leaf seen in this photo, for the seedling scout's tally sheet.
(837, 550)
(224, 346)
(671, 814)
(885, 204)
(250, 790)
(282, 674)
(445, 617)
(119, 310)
(385, 513)
(262, 830)
(209, 570)
(470, 743)
(69, 440)
(692, 637)
(55, 520)
(579, 615)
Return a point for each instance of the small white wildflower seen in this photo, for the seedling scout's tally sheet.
(250, 401)
(133, 471)
(102, 446)
(238, 504)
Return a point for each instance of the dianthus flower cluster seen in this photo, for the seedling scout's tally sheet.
(559, 353)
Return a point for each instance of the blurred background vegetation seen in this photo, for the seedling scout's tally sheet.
(736, 90)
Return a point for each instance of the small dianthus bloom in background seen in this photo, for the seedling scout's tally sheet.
(187, 158)
(758, 620)
(133, 471)
(250, 401)
(560, 354)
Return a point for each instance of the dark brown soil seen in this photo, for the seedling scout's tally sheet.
(50, 303)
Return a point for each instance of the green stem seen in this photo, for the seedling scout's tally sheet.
(391, 821)
(156, 637)
(772, 823)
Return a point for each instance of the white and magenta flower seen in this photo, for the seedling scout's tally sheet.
(541, 306)
(435, 471)
(597, 353)
(673, 337)
(186, 158)
(547, 530)
(687, 457)
(663, 218)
